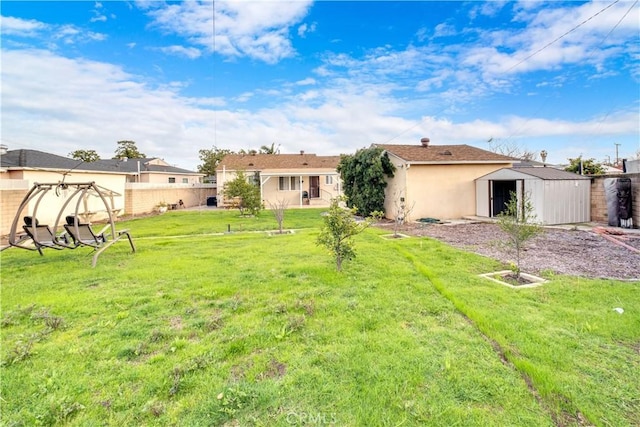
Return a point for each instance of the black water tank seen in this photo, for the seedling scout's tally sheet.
(212, 201)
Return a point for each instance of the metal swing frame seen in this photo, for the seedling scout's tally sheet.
(81, 191)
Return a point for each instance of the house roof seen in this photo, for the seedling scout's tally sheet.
(258, 162)
(34, 159)
(550, 173)
(544, 173)
(443, 154)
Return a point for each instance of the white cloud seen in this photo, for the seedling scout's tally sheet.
(45, 105)
(305, 29)
(21, 27)
(254, 29)
(444, 29)
(306, 82)
(385, 95)
(244, 97)
(554, 37)
(188, 52)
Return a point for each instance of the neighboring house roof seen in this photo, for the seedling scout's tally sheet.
(443, 154)
(541, 172)
(259, 162)
(531, 163)
(34, 159)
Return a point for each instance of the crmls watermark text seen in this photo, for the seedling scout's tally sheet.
(319, 418)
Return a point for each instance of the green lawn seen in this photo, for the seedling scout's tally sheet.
(201, 327)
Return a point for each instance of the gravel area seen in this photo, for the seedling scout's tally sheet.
(564, 251)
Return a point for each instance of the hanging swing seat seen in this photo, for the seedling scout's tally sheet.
(76, 233)
(83, 234)
(41, 235)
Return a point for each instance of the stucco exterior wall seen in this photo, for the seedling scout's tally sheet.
(270, 188)
(440, 191)
(599, 203)
(163, 178)
(395, 189)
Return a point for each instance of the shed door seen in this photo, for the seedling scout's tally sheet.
(500, 195)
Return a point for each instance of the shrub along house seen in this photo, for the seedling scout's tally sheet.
(296, 179)
(438, 181)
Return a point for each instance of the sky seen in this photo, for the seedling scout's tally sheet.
(326, 77)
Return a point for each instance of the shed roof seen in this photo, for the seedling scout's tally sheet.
(445, 154)
(544, 173)
(35, 159)
(277, 161)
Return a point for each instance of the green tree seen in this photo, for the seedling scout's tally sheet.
(587, 167)
(247, 193)
(85, 155)
(270, 149)
(364, 179)
(518, 222)
(211, 159)
(129, 150)
(339, 228)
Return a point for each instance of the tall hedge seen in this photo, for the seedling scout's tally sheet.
(364, 179)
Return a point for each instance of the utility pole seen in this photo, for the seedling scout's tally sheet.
(617, 158)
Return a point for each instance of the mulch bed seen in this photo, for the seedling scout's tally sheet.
(562, 251)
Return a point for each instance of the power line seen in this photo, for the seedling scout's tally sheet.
(213, 76)
(534, 54)
(562, 36)
(588, 57)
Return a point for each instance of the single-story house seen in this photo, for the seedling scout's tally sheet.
(295, 179)
(557, 196)
(437, 181)
(20, 169)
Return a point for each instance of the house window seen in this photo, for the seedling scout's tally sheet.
(283, 183)
(185, 180)
(328, 180)
(172, 180)
(294, 183)
(286, 183)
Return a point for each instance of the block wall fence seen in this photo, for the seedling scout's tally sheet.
(142, 200)
(138, 200)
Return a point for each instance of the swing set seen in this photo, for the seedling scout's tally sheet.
(76, 230)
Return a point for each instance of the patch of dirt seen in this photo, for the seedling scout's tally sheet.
(570, 252)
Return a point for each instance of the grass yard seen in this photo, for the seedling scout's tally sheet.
(202, 327)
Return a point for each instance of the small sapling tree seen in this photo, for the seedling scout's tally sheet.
(278, 208)
(338, 230)
(248, 194)
(402, 211)
(518, 222)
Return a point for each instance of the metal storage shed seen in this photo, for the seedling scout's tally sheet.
(558, 197)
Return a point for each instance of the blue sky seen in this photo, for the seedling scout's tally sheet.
(326, 77)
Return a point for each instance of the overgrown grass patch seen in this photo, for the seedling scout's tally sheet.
(250, 329)
(581, 355)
